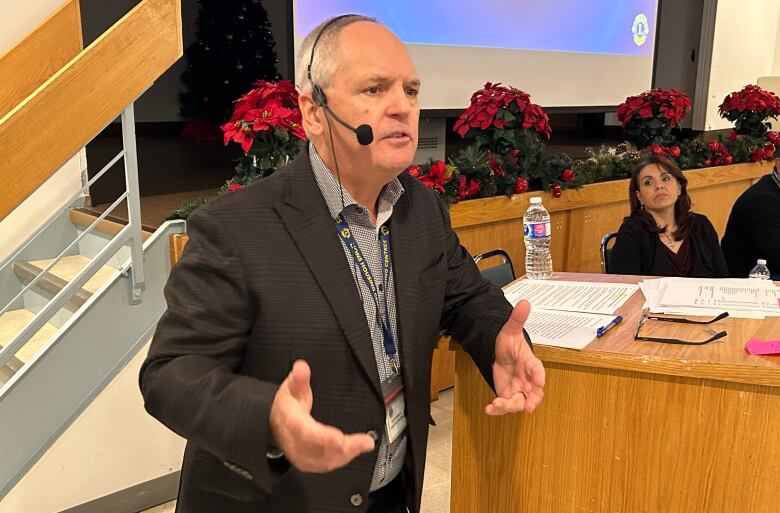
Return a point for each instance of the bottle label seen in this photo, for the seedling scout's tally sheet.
(536, 230)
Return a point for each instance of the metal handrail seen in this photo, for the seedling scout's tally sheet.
(59, 300)
(13, 256)
(63, 253)
(130, 233)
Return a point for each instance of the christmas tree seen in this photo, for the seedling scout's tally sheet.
(234, 48)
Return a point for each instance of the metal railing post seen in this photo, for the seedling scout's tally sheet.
(133, 204)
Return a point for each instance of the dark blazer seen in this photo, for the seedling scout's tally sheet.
(753, 230)
(637, 251)
(264, 281)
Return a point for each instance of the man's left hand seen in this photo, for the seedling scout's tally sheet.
(518, 374)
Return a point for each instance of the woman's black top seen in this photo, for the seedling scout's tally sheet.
(637, 251)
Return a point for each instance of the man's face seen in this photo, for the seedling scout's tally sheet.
(375, 83)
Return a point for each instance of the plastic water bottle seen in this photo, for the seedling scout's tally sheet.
(760, 271)
(537, 235)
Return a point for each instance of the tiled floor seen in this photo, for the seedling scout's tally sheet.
(436, 491)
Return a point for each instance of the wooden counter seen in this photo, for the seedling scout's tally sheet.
(628, 427)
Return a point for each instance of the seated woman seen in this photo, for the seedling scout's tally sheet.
(661, 236)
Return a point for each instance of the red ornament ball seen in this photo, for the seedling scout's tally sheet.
(521, 185)
(556, 190)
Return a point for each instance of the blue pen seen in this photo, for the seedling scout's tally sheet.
(602, 330)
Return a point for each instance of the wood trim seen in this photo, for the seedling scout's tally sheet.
(95, 212)
(105, 226)
(40, 134)
(42, 52)
(491, 210)
(178, 241)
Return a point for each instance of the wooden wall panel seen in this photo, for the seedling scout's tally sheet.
(610, 440)
(508, 235)
(716, 201)
(582, 217)
(588, 226)
(70, 108)
(39, 55)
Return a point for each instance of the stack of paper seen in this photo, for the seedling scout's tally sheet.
(568, 313)
(743, 298)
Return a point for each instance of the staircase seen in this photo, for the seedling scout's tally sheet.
(80, 297)
(29, 286)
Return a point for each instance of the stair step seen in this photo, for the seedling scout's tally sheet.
(68, 267)
(11, 323)
(110, 225)
(50, 284)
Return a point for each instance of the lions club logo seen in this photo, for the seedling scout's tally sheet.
(640, 29)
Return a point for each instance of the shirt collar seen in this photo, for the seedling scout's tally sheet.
(331, 191)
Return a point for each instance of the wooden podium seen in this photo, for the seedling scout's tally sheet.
(628, 426)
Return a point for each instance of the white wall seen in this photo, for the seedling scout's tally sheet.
(776, 63)
(41, 204)
(744, 48)
(113, 445)
(17, 19)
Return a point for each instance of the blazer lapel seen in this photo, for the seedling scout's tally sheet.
(306, 217)
(405, 272)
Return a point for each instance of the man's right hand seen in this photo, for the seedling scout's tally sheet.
(310, 446)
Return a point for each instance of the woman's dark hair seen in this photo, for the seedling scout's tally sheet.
(682, 207)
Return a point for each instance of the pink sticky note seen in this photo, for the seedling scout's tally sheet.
(754, 346)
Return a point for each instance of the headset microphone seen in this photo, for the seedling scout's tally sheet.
(364, 133)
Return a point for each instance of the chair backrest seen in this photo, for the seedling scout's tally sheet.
(500, 274)
(606, 250)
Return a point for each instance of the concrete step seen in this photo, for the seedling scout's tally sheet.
(49, 284)
(67, 269)
(11, 323)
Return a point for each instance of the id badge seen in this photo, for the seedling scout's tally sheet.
(395, 407)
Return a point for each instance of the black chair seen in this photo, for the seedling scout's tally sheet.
(500, 274)
(606, 251)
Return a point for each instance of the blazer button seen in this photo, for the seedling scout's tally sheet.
(356, 500)
(373, 434)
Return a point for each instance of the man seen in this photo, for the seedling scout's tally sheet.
(753, 229)
(292, 357)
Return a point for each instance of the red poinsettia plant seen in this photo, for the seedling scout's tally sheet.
(649, 118)
(266, 122)
(749, 109)
(498, 115)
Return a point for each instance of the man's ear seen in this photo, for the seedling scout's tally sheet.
(312, 115)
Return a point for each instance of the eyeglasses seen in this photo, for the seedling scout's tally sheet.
(714, 335)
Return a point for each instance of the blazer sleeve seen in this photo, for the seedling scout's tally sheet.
(189, 380)
(627, 255)
(475, 310)
(719, 267)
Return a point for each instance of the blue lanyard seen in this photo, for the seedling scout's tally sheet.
(384, 238)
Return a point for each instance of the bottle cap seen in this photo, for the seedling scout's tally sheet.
(761, 261)
(536, 200)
